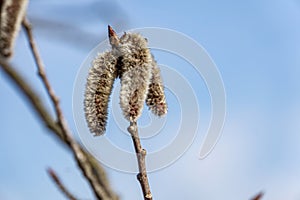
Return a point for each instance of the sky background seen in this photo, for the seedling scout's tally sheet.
(255, 45)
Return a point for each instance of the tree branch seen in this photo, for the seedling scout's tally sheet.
(140, 154)
(59, 184)
(31, 97)
(100, 188)
(258, 196)
(93, 172)
(41, 70)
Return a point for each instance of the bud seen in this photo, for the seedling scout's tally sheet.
(113, 37)
(12, 14)
(98, 89)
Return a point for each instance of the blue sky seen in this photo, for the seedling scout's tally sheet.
(255, 47)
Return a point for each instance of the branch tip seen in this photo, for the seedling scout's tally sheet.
(59, 184)
(258, 196)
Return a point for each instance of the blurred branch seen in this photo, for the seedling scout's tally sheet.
(93, 172)
(86, 162)
(258, 196)
(41, 72)
(31, 96)
(59, 184)
(82, 160)
(140, 154)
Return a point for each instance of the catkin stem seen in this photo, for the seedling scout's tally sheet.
(140, 154)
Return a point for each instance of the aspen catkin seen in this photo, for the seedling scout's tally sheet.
(129, 59)
(98, 88)
(156, 100)
(135, 73)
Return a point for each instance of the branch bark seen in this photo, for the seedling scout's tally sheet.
(140, 154)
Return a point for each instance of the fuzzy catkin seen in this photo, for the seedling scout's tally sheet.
(98, 89)
(12, 14)
(129, 59)
(135, 73)
(156, 100)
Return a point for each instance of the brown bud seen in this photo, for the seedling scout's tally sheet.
(113, 37)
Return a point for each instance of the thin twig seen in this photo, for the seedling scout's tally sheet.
(140, 154)
(41, 69)
(86, 162)
(59, 184)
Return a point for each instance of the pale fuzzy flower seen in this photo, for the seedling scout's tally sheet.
(12, 14)
(156, 100)
(98, 89)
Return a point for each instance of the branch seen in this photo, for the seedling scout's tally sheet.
(31, 97)
(140, 154)
(41, 70)
(258, 196)
(59, 184)
(100, 188)
(93, 172)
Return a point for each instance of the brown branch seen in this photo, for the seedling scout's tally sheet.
(40, 109)
(140, 154)
(42, 73)
(101, 191)
(31, 97)
(90, 168)
(258, 196)
(93, 172)
(59, 184)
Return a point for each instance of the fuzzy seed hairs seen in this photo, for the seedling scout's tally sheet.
(131, 60)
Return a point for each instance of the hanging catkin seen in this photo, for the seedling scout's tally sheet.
(98, 88)
(129, 59)
(156, 100)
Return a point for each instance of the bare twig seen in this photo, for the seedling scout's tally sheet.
(42, 73)
(60, 185)
(258, 196)
(140, 154)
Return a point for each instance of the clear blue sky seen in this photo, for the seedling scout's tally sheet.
(255, 45)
